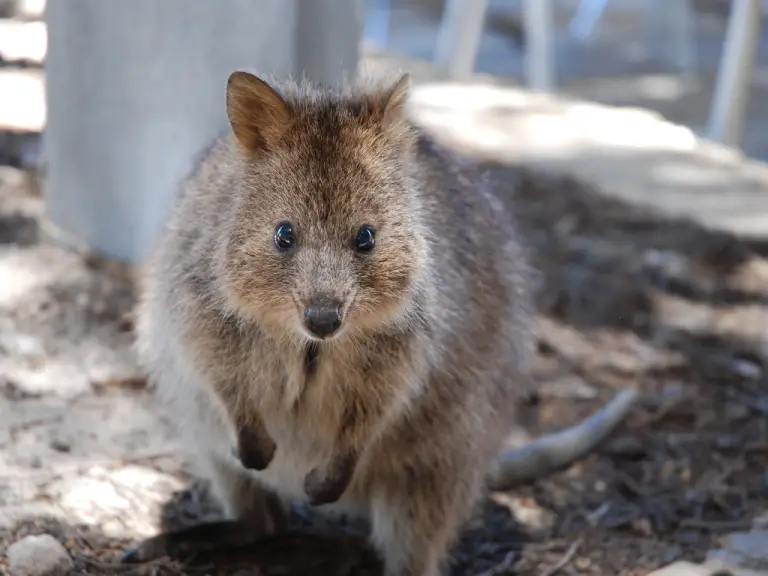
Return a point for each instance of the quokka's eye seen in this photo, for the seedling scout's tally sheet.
(284, 239)
(365, 239)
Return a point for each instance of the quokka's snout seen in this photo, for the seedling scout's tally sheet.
(323, 315)
(325, 283)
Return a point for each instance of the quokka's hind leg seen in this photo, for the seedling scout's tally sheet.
(417, 518)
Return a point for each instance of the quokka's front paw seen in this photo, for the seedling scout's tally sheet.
(254, 450)
(324, 485)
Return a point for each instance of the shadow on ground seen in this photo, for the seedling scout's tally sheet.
(20, 149)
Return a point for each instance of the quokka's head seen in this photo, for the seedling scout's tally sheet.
(325, 235)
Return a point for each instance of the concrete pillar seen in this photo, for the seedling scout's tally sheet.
(540, 53)
(737, 65)
(135, 89)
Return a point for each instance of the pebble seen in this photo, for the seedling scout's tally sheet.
(60, 445)
(744, 547)
(712, 568)
(40, 555)
(626, 446)
(568, 387)
(746, 368)
(681, 569)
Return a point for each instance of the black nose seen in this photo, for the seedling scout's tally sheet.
(323, 316)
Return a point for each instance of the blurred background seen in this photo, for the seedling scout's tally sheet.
(633, 134)
(664, 56)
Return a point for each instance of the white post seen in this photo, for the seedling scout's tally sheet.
(540, 44)
(584, 21)
(685, 45)
(135, 90)
(459, 36)
(726, 120)
(655, 25)
(328, 37)
(376, 21)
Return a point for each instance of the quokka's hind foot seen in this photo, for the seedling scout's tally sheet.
(206, 537)
(252, 512)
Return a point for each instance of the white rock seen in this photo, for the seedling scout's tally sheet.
(712, 567)
(30, 9)
(41, 555)
(748, 545)
(682, 569)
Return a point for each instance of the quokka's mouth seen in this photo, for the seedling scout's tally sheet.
(322, 317)
(314, 337)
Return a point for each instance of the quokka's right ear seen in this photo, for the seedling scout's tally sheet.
(395, 101)
(257, 113)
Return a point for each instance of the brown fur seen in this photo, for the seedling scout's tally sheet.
(399, 416)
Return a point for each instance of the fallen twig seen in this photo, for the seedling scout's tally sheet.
(668, 405)
(715, 525)
(567, 557)
(594, 517)
(128, 569)
(630, 483)
(133, 383)
(503, 567)
(117, 567)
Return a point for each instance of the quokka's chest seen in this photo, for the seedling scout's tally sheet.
(301, 394)
(308, 395)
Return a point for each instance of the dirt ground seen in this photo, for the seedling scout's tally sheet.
(626, 299)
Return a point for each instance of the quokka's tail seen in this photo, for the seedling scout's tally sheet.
(552, 452)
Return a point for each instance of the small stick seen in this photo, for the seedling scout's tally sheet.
(567, 557)
(715, 525)
(501, 568)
